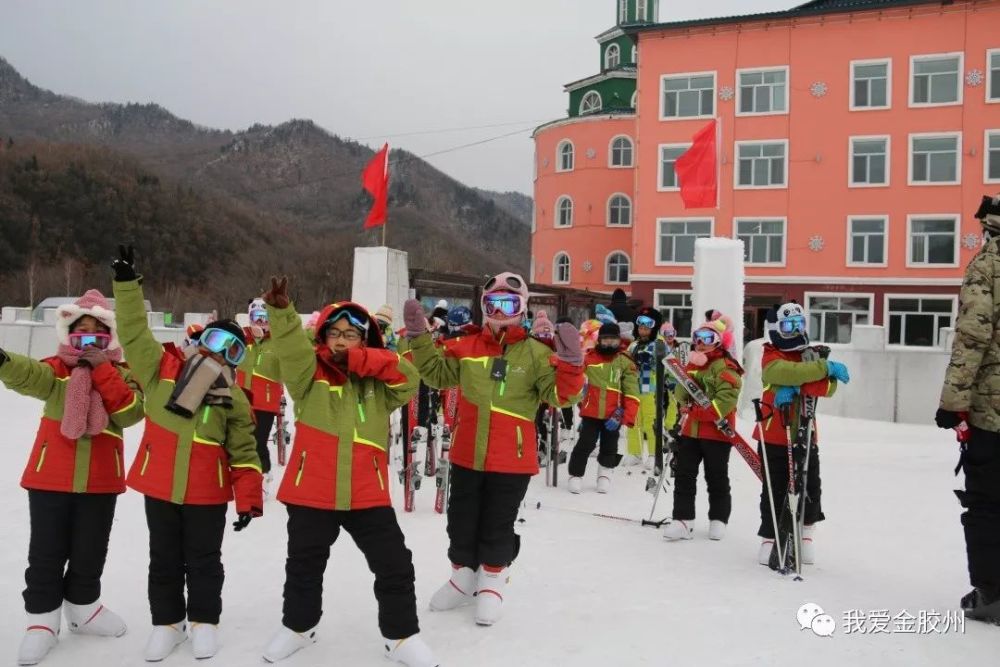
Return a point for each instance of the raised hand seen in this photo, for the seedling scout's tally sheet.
(93, 357)
(277, 296)
(567, 342)
(414, 319)
(124, 265)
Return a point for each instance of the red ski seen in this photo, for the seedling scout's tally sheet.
(449, 401)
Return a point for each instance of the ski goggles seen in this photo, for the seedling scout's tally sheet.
(79, 341)
(792, 325)
(351, 318)
(507, 305)
(259, 316)
(220, 341)
(512, 282)
(706, 337)
(645, 321)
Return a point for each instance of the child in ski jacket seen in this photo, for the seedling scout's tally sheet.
(258, 375)
(643, 352)
(74, 471)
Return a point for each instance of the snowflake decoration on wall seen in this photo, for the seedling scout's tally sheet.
(974, 77)
(726, 93)
(587, 266)
(591, 153)
(816, 243)
(818, 89)
(972, 241)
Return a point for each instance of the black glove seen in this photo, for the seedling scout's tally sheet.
(644, 357)
(244, 518)
(124, 266)
(947, 419)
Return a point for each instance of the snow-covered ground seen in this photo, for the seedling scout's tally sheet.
(589, 591)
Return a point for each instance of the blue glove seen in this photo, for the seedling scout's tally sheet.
(614, 422)
(784, 396)
(837, 371)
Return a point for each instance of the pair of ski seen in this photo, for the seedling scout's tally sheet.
(438, 468)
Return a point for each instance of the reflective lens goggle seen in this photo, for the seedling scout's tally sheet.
(792, 325)
(645, 321)
(80, 341)
(222, 342)
(506, 304)
(351, 319)
(512, 282)
(258, 315)
(706, 337)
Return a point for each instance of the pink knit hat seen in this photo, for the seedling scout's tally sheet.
(723, 326)
(542, 326)
(92, 303)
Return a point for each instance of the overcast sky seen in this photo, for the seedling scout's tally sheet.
(372, 70)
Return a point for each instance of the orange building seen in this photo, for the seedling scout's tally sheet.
(857, 137)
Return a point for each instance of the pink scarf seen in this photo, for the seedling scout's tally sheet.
(83, 409)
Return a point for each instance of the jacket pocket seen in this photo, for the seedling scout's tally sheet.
(520, 442)
(221, 478)
(302, 468)
(378, 473)
(41, 457)
(145, 460)
(118, 464)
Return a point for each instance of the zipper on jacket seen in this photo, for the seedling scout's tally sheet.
(204, 415)
(302, 467)
(361, 410)
(41, 457)
(219, 461)
(145, 461)
(503, 386)
(267, 393)
(118, 464)
(520, 443)
(378, 472)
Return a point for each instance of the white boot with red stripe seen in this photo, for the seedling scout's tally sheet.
(42, 634)
(457, 591)
(808, 550)
(489, 594)
(93, 619)
(764, 553)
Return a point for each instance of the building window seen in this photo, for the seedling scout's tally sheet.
(688, 95)
(763, 241)
(612, 56)
(621, 152)
(832, 316)
(991, 161)
(870, 84)
(635, 55)
(591, 102)
(668, 158)
(933, 240)
(762, 91)
(869, 161)
(934, 159)
(918, 320)
(993, 75)
(619, 211)
(641, 10)
(560, 268)
(564, 212)
(623, 11)
(761, 164)
(866, 240)
(677, 239)
(676, 308)
(617, 268)
(564, 156)
(936, 79)
(635, 99)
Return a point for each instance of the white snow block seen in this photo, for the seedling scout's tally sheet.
(718, 284)
(381, 276)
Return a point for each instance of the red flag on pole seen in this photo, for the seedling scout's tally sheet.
(697, 170)
(375, 179)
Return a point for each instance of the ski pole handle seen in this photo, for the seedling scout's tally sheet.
(758, 411)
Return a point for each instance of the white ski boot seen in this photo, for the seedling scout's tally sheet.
(163, 640)
(604, 479)
(457, 591)
(764, 553)
(575, 484)
(93, 619)
(631, 460)
(41, 635)
(489, 594)
(412, 652)
(716, 530)
(285, 642)
(650, 462)
(204, 640)
(677, 530)
(808, 549)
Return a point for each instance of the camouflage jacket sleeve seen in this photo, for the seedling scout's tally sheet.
(973, 333)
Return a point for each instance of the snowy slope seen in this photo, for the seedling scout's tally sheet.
(588, 591)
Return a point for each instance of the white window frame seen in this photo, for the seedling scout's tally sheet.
(937, 332)
(555, 268)
(888, 83)
(611, 152)
(683, 292)
(885, 241)
(659, 167)
(607, 211)
(850, 295)
(622, 11)
(558, 212)
(933, 135)
(607, 260)
(635, 54)
(850, 160)
(765, 218)
(736, 165)
(559, 156)
(992, 96)
(986, 155)
(937, 56)
(617, 50)
(754, 70)
(688, 75)
(956, 218)
(642, 10)
(600, 102)
(659, 221)
(635, 100)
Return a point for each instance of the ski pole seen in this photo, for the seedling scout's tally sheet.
(759, 415)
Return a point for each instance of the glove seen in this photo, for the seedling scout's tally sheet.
(948, 419)
(93, 357)
(244, 518)
(567, 342)
(277, 296)
(614, 422)
(414, 319)
(785, 395)
(124, 266)
(644, 357)
(837, 371)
